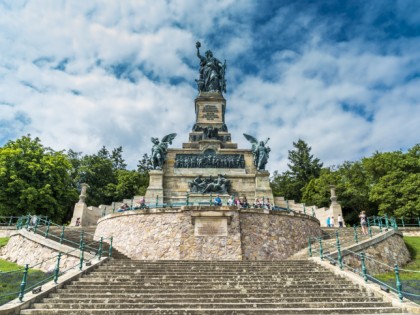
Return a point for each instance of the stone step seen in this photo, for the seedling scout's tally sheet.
(199, 299)
(62, 293)
(289, 311)
(285, 305)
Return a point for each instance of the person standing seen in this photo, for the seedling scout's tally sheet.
(217, 201)
(332, 221)
(340, 221)
(328, 222)
(363, 222)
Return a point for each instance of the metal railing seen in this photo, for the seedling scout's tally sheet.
(32, 278)
(358, 263)
(393, 222)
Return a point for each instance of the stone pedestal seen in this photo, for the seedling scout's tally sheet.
(155, 189)
(79, 211)
(262, 185)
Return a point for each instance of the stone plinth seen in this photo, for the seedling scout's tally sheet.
(208, 233)
(155, 188)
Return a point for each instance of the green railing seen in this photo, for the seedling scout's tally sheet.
(12, 220)
(31, 278)
(158, 204)
(332, 251)
(389, 222)
(56, 232)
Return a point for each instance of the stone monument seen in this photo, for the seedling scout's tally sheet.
(209, 163)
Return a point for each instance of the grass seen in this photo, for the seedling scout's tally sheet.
(413, 245)
(10, 281)
(3, 241)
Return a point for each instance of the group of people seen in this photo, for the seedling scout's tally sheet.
(242, 202)
(330, 221)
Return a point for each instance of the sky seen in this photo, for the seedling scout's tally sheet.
(344, 76)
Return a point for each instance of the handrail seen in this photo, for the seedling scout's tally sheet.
(48, 276)
(336, 258)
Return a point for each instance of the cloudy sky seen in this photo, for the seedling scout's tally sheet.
(342, 75)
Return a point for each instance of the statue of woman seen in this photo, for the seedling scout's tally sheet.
(212, 72)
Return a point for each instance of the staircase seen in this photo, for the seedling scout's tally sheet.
(329, 241)
(72, 238)
(199, 287)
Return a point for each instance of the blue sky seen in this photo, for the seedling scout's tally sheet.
(342, 75)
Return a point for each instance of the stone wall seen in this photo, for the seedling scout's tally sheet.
(27, 248)
(388, 248)
(275, 236)
(171, 234)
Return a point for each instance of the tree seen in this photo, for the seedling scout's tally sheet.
(35, 179)
(302, 168)
(395, 178)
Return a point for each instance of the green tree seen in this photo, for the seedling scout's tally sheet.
(35, 179)
(395, 178)
(302, 168)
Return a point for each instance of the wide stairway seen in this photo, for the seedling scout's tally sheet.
(225, 287)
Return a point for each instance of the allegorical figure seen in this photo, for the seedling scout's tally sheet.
(212, 72)
(260, 151)
(159, 150)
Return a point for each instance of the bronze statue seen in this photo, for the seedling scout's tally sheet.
(260, 151)
(159, 150)
(212, 72)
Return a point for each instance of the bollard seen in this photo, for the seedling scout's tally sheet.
(47, 231)
(36, 224)
(57, 268)
(398, 282)
(364, 272)
(28, 220)
(23, 283)
(355, 234)
(100, 248)
(82, 233)
(309, 247)
(62, 234)
(110, 247)
(321, 253)
(82, 251)
(340, 258)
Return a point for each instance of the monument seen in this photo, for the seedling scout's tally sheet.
(182, 223)
(209, 163)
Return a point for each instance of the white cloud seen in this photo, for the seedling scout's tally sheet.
(346, 99)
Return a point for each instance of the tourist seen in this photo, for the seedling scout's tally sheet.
(237, 203)
(328, 222)
(340, 221)
(77, 222)
(245, 203)
(231, 201)
(217, 201)
(268, 204)
(332, 221)
(363, 222)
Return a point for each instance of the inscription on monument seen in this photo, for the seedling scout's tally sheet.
(210, 227)
(210, 112)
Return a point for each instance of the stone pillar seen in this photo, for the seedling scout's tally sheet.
(262, 186)
(80, 208)
(155, 188)
(335, 207)
(333, 197)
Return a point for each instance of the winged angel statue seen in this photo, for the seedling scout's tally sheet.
(260, 151)
(159, 150)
